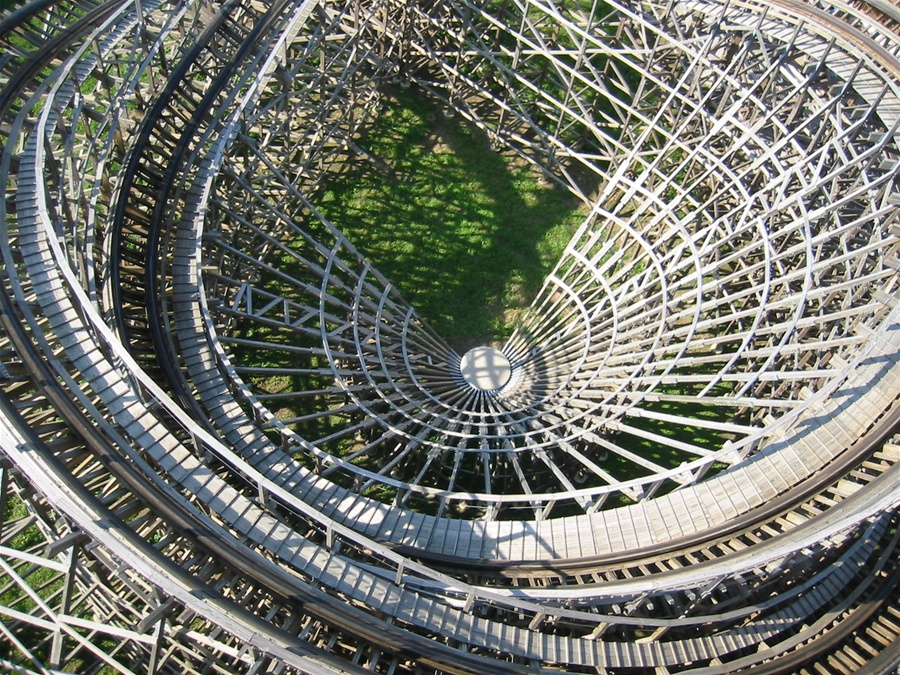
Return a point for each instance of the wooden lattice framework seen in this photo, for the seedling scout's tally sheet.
(735, 280)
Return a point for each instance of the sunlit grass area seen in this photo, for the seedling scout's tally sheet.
(465, 233)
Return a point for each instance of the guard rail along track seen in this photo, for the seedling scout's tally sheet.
(690, 466)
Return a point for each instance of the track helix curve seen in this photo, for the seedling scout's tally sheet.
(682, 459)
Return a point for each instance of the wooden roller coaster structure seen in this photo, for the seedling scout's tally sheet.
(684, 461)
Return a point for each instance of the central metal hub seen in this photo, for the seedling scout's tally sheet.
(485, 368)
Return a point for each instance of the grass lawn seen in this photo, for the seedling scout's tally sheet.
(466, 234)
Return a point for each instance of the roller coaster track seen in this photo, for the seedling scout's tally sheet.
(737, 273)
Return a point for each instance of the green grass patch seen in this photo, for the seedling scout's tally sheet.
(466, 234)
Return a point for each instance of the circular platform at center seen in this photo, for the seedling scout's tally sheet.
(485, 368)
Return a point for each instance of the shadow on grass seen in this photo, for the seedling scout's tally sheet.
(465, 234)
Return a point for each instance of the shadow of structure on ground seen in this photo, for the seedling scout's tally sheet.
(465, 233)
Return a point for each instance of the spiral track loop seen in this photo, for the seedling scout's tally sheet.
(683, 459)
